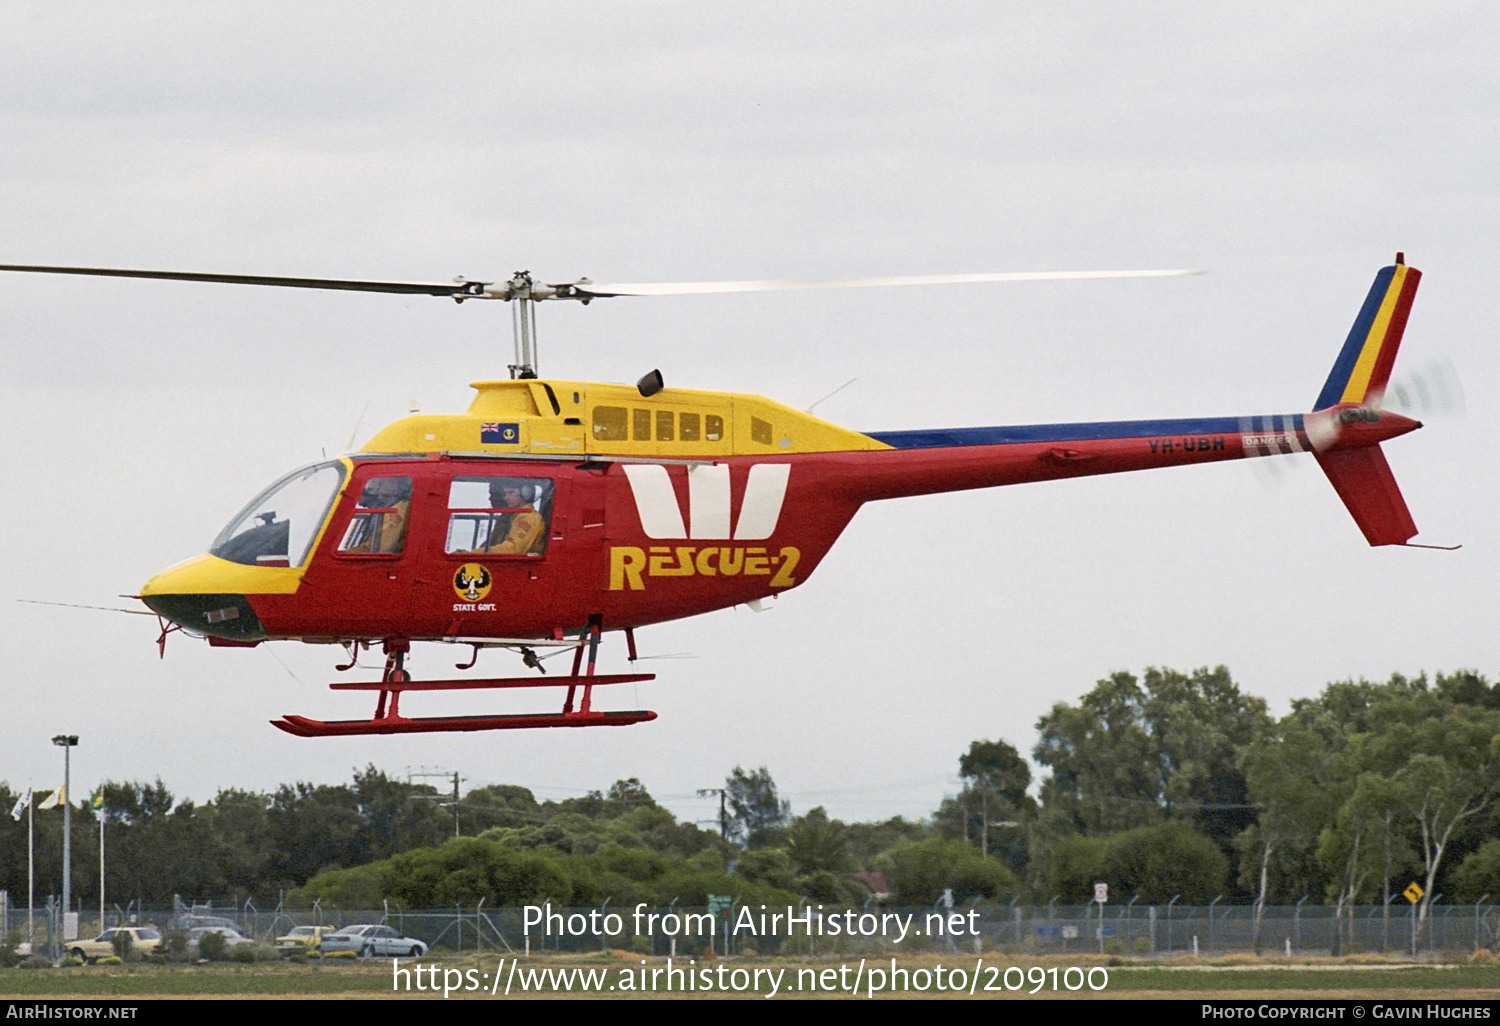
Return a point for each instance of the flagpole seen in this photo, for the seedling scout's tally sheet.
(101, 870)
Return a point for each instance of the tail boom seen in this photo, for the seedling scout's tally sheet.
(1344, 433)
(955, 459)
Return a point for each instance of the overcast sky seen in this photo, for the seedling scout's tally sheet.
(1288, 149)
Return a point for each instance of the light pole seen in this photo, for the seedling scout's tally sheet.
(66, 742)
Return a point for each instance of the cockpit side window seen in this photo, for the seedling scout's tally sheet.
(378, 526)
(279, 526)
(499, 515)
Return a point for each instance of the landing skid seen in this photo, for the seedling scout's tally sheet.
(388, 718)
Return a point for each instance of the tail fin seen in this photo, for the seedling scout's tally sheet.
(1363, 367)
(1361, 475)
(1364, 481)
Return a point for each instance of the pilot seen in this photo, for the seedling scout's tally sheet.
(521, 532)
(392, 494)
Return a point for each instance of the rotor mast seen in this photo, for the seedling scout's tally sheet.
(523, 325)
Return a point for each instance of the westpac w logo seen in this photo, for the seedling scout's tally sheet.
(708, 501)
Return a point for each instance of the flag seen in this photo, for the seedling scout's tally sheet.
(96, 801)
(53, 800)
(21, 804)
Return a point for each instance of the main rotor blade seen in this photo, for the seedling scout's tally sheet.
(686, 288)
(459, 289)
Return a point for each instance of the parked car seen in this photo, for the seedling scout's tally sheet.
(232, 937)
(305, 939)
(367, 940)
(142, 939)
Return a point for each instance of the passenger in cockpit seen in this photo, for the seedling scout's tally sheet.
(521, 532)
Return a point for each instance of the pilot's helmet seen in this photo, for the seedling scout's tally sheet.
(385, 491)
(500, 486)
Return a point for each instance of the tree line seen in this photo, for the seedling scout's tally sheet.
(1179, 784)
(1167, 785)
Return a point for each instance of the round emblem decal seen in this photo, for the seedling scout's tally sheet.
(472, 582)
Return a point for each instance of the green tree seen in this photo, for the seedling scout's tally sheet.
(756, 812)
(772, 866)
(1135, 752)
(1294, 778)
(1103, 761)
(1202, 722)
(1479, 875)
(1383, 776)
(1159, 861)
(817, 844)
(1348, 847)
(239, 822)
(996, 778)
(156, 846)
(625, 795)
(315, 827)
(921, 870)
(867, 841)
(398, 815)
(1443, 761)
(501, 805)
(1156, 862)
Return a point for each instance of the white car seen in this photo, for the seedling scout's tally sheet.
(232, 937)
(368, 940)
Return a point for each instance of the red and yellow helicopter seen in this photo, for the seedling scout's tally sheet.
(553, 511)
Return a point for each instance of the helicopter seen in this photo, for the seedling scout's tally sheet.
(554, 511)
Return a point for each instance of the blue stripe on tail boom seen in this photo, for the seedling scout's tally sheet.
(952, 437)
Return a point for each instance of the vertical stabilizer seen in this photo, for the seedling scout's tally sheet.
(1363, 367)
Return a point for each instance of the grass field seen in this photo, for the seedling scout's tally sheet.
(1237, 978)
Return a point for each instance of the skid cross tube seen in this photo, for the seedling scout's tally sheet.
(478, 683)
(394, 680)
(388, 719)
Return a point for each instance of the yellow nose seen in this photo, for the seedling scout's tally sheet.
(212, 596)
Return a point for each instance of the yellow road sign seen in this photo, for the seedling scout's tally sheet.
(1413, 892)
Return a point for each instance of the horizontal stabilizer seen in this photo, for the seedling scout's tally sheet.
(1364, 481)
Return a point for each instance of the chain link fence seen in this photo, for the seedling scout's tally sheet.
(691, 931)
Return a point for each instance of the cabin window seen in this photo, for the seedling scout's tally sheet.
(664, 425)
(640, 425)
(760, 430)
(610, 424)
(713, 427)
(688, 427)
(378, 526)
(506, 516)
(278, 528)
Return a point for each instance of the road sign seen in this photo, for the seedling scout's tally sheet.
(1413, 892)
(1101, 892)
(1070, 933)
(720, 903)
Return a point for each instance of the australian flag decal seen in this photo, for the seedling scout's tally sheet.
(499, 434)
